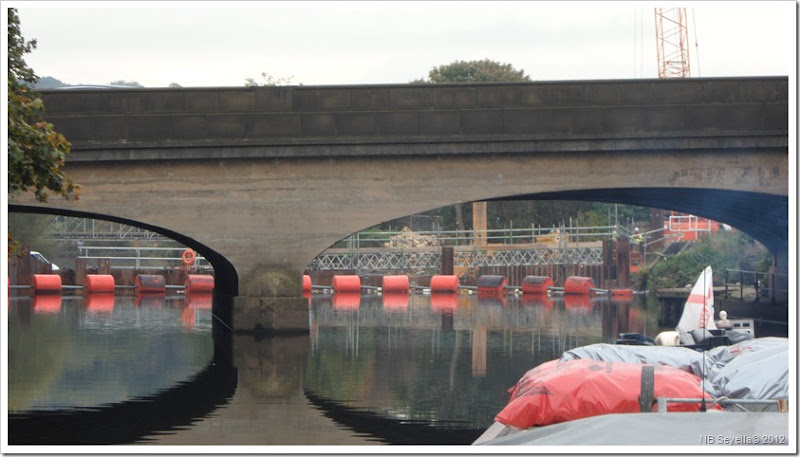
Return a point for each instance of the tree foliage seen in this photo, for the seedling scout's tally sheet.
(473, 71)
(269, 80)
(36, 152)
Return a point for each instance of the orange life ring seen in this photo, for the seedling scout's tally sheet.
(188, 257)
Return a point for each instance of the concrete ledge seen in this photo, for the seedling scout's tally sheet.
(270, 315)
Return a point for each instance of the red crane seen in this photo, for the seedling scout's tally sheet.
(672, 43)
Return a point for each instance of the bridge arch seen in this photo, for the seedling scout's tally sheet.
(223, 269)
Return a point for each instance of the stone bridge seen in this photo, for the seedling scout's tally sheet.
(261, 180)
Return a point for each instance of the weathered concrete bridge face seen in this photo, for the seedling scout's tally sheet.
(260, 180)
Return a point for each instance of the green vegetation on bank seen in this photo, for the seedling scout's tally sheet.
(724, 250)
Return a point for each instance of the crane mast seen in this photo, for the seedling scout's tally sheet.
(672, 43)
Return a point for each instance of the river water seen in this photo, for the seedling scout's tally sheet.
(373, 370)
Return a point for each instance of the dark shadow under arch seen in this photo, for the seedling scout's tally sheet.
(764, 217)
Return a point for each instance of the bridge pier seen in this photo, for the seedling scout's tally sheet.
(270, 301)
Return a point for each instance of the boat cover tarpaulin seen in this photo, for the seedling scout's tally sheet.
(756, 369)
(712, 431)
(752, 369)
(563, 391)
(674, 356)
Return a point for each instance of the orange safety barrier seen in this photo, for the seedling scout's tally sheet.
(149, 284)
(536, 284)
(578, 285)
(346, 283)
(306, 283)
(395, 284)
(198, 283)
(99, 284)
(444, 284)
(492, 284)
(46, 284)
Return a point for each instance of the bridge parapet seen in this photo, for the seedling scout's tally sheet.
(130, 118)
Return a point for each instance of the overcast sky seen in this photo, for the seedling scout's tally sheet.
(222, 44)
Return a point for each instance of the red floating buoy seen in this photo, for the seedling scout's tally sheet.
(578, 285)
(492, 285)
(199, 283)
(395, 284)
(622, 294)
(99, 284)
(346, 283)
(536, 284)
(46, 284)
(306, 283)
(149, 284)
(444, 284)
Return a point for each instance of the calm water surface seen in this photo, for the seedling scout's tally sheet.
(373, 369)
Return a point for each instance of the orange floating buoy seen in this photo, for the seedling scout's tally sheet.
(622, 294)
(46, 284)
(492, 285)
(346, 283)
(198, 283)
(395, 284)
(99, 284)
(306, 283)
(578, 285)
(536, 284)
(444, 284)
(149, 284)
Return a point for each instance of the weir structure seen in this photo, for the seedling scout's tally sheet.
(259, 180)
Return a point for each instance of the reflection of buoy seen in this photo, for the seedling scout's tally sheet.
(492, 285)
(99, 303)
(346, 283)
(346, 300)
(578, 302)
(536, 284)
(48, 303)
(578, 285)
(199, 283)
(46, 284)
(395, 301)
(149, 284)
(202, 300)
(395, 284)
(537, 300)
(99, 284)
(444, 302)
(149, 300)
(444, 284)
